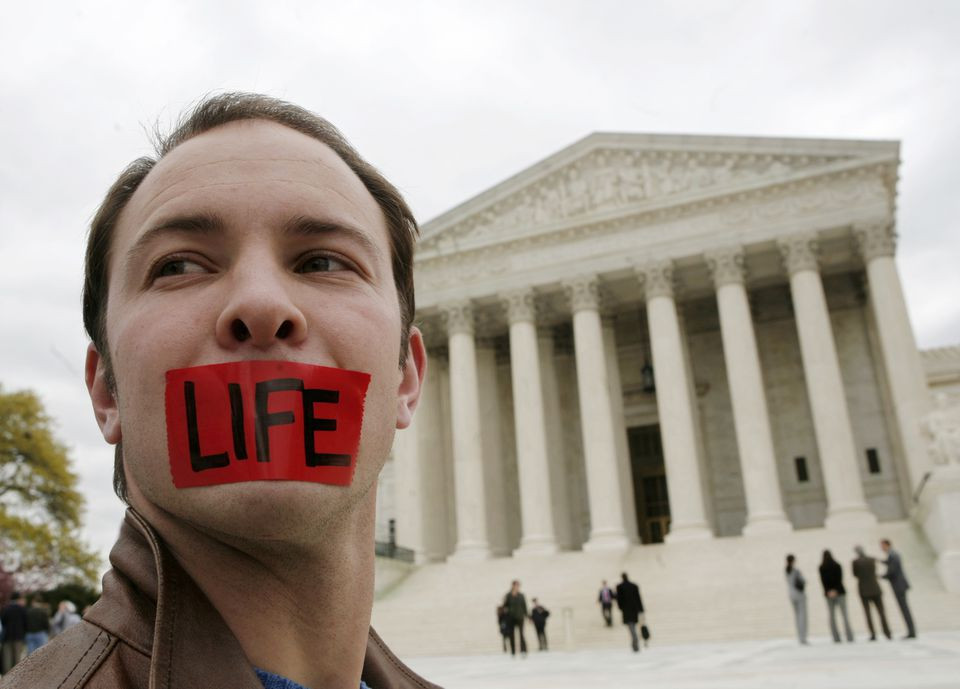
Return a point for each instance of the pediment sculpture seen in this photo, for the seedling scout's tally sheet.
(607, 179)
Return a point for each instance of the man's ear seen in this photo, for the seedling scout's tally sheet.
(411, 381)
(102, 397)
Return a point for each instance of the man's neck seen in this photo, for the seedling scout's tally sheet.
(299, 611)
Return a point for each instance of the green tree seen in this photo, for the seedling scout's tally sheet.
(40, 506)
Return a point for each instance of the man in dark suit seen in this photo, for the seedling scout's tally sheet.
(516, 605)
(865, 570)
(899, 584)
(539, 615)
(631, 605)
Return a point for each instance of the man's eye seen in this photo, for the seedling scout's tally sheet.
(321, 264)
(178, 266)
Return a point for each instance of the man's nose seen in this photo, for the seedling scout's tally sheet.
(260, 313)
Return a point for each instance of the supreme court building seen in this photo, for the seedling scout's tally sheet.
(649, 338)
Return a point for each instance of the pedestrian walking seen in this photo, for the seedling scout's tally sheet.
(38, 625)
(539, 615)
(13, 618)
(605, 599)
(898, 582)
(798, 598)
(516, 605)
(631, 607)
(831, 576)
(865, 570)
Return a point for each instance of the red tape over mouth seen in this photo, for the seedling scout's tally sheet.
(262, 421)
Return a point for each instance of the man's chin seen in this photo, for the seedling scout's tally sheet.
(267, 511)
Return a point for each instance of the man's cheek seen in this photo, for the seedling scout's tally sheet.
(263, 420)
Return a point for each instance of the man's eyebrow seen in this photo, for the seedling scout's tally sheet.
(306, 226)
(204, 224)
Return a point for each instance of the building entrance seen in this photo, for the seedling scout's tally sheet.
(649, 483)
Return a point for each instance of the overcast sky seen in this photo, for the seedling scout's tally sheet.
(447, 98)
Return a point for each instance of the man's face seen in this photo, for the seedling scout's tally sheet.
(884, 546)
(251, 241)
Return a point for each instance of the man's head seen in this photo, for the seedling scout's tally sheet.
(515, 585)
(885, 545)
(256, 233)
(623, 575)
(858, 549)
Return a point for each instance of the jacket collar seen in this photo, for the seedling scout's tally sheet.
(152, 605)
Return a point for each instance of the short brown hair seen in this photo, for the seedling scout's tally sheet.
(212, 112)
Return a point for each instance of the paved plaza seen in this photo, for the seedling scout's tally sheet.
(932, 661)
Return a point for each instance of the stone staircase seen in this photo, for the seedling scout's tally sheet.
(724, 589)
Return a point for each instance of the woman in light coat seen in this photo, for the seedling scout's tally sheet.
(795, 589)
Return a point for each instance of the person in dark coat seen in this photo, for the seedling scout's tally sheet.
(631, 606)
(13, 619)
(831, 576)
(865, 570)
(899, 584)
(38, 625)
(605, 599)
(516, 605)
(539, 615)
(503, 622)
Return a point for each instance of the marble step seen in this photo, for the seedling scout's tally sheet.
(717, 590)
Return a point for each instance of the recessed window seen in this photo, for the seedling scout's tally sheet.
(873, 460)
(801, 465)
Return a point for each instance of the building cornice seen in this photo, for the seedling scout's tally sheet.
(668, 208)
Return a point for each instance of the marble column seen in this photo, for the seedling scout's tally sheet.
(408, 486)
(751, 418)
(559, 476)
(420, 476)
(902, 364)
(607, 522)
(846, 506)
(498, 528)
(674, 405)
(472, 541)
(533, 460)
(620, 428)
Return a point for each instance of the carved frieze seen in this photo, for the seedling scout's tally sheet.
(875, 239)
(607, 179)
(458, 317)
(727, 265)
(942, 430)
(799, 252)
(765, 207)
(434, 331)
(583, 293)
(520, 305)
(656, 278)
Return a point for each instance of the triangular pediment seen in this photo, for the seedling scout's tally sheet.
(605, 173)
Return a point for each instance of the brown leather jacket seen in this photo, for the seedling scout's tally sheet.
(154, 628)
